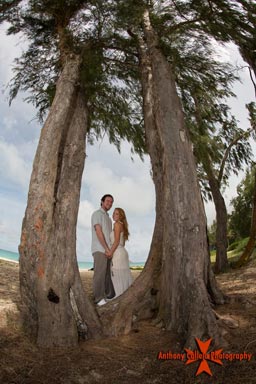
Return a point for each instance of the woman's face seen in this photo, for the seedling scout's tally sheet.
(116, 215)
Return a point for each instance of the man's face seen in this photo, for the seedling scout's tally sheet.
(107, 203)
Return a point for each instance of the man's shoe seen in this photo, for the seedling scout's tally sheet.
(101, 302)
(112, 298)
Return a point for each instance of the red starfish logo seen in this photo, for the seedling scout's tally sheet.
(203, 355)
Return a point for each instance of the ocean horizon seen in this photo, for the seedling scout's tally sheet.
(83, 265)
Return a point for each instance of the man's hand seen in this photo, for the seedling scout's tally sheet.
(109, 254)
(101, 237)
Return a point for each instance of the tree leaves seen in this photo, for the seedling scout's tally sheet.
(103, 33)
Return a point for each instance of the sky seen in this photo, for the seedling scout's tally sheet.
(106, 171)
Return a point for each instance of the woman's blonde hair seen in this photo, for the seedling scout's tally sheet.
(123, 220)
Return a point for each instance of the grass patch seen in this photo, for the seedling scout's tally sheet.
(138, 268)
(235, 250)
(213, 256)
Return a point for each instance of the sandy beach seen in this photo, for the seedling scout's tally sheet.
(132, 358)
(11, 261)
(9, 280)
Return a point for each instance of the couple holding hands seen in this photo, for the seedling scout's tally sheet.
(112, 275)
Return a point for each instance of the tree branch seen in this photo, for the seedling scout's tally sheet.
(178, 10)
(234, 142)
(252, 79)
(7, 5)
(180, 25)
(121, 63)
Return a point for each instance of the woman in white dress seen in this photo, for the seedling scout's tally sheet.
(120, 272)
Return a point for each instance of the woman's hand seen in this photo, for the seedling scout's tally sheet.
(109, 254)
(117, 232)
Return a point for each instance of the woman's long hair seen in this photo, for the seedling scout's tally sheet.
(123, 220)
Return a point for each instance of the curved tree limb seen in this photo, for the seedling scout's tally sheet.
(228, 149)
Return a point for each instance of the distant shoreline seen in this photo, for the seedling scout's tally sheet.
(11, 261)
(132, 268)
(17, 262)
(82, 265)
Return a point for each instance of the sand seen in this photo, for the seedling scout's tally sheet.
(131, 358)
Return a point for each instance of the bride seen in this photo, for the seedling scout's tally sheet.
(120, 271)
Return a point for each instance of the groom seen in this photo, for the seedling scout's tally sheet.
(101, 229)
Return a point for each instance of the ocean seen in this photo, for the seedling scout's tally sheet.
(14, 256)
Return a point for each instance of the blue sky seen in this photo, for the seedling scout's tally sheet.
(105, 170)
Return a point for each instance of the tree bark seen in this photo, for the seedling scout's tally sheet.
(186, 277)
(222, 222)
(219, 202)
(177, 285)
(48, 265)
(140, 301)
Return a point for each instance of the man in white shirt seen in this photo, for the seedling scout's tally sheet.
(101, 229)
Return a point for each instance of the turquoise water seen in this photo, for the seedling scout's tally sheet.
(81, 264)
(9, 255)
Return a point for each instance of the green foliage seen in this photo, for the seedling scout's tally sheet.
(205, 85)
(101, 33)
(252, 113)
(7, 9)
(37, 71)
(128, 13)
(54, 31)
(235, 21)
(240, 218)
(236, 250)
(239, 245)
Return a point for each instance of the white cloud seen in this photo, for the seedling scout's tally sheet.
(222, 52)
(13, 168)
(118, 162)
(83, 244)
(4, 230)
(86, 210)
(134, 194)
(141, 231)
(15, 119)
(106, 171)
(11, 213)
(10, 48)
(210, 212)
(9, 123)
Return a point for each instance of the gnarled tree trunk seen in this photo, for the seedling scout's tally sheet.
(221, 219)
(186, 278)
(49, 275)
(219, 202)
(140, 301)
(178, 270)
(221, 228)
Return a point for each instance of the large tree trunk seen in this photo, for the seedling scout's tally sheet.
(140, 301)
(49, 277)
(219, 202)
(177, 280)
(221, 220)
(186, 277)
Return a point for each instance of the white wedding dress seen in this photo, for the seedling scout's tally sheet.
(120, 272)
